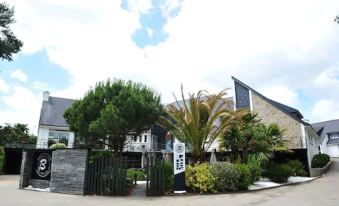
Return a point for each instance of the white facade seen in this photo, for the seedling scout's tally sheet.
(142, 143)
(311, 142)
(333, 150)
(45, 133)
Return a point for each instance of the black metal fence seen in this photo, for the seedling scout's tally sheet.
(106, 176)
(155, 176)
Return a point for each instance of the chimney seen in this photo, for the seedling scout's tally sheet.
(45, 96)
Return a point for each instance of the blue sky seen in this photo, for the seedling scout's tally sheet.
(68, 46)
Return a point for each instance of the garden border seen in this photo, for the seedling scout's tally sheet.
(317, 172)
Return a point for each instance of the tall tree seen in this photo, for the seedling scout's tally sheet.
(17, 133)
(114, 112)
(197, 121)
(9, 44)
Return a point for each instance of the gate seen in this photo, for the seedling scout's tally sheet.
(156, 175)
(106, 176)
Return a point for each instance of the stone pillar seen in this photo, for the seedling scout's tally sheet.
(26, 169)
(68, 171)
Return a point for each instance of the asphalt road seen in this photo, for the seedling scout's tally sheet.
(320, 192)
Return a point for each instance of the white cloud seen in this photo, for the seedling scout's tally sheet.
(326, 109)
(3, 86)
(282, 94)
(149, 32)
(19, 75)
(265, 43)
(23, 106)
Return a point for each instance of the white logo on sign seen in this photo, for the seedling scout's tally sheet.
(44, 165)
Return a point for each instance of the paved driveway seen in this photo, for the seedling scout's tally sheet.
(320, 192)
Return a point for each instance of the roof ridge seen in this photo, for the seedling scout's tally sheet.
(62, 98)
(326, 121)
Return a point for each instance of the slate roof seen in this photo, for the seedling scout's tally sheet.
(52, 111)
(323, 128)
(294, 113)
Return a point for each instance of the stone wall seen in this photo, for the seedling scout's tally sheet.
(270, 114)
(68, 171)
(26, 169)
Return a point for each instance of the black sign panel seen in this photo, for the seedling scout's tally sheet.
(42, 165)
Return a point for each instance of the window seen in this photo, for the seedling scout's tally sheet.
(140, 138)
(57, 137)
(145, 138)
(134, 139)
(334, 135)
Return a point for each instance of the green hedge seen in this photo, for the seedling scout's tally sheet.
(1, 163)
(139, 173)
(320, 160)
(58, 146)
(226, 176)
(245, 178)
(279, 173)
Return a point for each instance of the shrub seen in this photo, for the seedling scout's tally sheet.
(139, 173)
(58, 146)
(279, 173)
(2, 151)
(320, 160)
(245, 178)
(169, 175)
(226, 176)
(297, 168)
(255, 168)
(199, 178)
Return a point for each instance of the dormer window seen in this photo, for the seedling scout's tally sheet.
(334, 135)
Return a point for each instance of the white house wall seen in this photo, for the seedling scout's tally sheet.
(43, 135)
(42, 141)
(323, 145)
(311, 139)
(333, 150)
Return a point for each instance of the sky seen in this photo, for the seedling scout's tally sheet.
(286, 49)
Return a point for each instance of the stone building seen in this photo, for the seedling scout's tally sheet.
(298, 133)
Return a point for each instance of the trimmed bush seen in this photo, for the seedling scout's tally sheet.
(279, 173)
(139, 173)
(245, 178)
(297, 168)
(226, 176)
(199, 178)
(58, 146)
(320, 160)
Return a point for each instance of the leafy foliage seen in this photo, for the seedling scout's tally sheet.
(58, 146)
(245, 178)
(247, 136)
(199, 178)
(226, 176)
(114, 112)
(255, 168)
(17, 133)
(9, 44)
(140, 174)
(197, 121)
(320, 160)
(297, 168)
(279, 173)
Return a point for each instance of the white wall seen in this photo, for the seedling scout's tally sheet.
(312, 147)
(43, 134)
(42, 141)
(333, 150)
(323, 145)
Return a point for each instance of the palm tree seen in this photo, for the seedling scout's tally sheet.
(198, 121)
